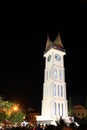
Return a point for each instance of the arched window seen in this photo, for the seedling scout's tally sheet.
(55, 73)
(54, 89)
(59, 109)
(62, 91)
(58, 90)
(62, 109)
(55, 108)
(60, 74)
(49, 73)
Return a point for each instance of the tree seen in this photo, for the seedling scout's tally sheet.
(17, 117)
(86, 103)
(70, 107)
(86, 107)
(3, 116)
(10, 111)
(31, 116)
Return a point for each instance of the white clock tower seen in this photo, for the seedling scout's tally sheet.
(54, 103)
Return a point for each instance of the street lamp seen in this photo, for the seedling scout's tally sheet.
(15, 108)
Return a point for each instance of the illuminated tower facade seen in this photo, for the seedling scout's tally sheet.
(54, 103)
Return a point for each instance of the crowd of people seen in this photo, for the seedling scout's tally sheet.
(60, 126)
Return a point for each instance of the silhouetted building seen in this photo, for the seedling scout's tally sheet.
(79, 111)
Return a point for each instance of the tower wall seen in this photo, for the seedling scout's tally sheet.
(54, 102)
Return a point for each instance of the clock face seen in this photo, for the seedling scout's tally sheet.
(57, 57)
(49, 58)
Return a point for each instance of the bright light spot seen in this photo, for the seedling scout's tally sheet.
(15, 108)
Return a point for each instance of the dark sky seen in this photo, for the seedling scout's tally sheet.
(22, 63)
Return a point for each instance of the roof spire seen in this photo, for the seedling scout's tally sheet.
(48, 43)
(58, 41)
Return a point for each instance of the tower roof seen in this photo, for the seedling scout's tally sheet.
(48, 43)
(57, 43)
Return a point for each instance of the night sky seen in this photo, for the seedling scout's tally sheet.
(22, 63)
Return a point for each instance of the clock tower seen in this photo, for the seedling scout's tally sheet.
(54, 103)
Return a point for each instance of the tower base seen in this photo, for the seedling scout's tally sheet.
(52, 120)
